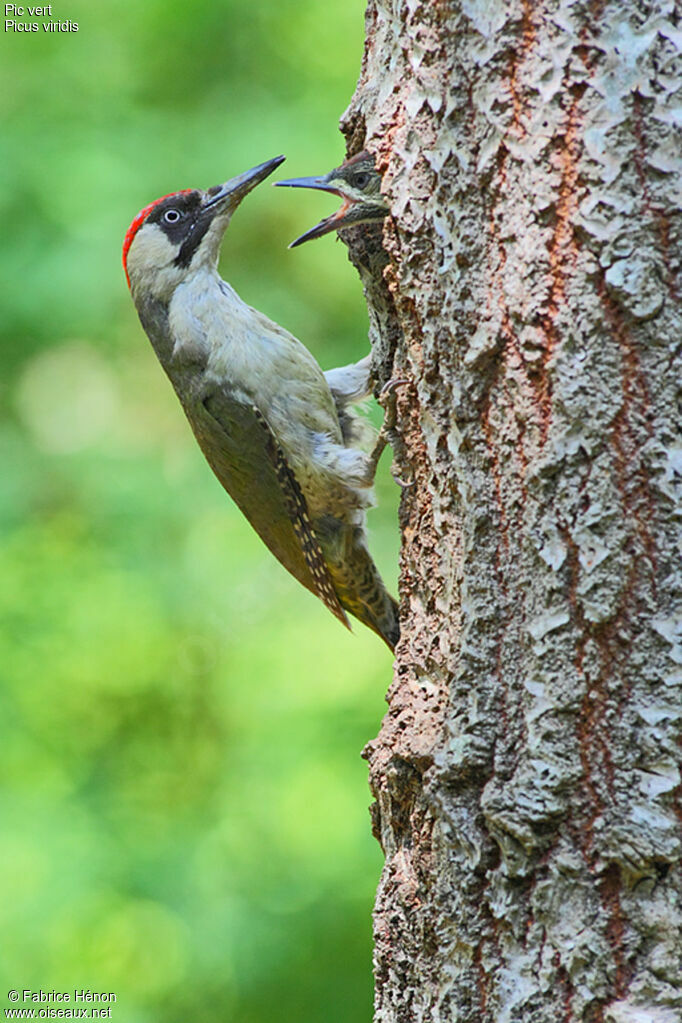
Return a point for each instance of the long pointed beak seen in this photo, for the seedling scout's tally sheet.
(319, 182)
(233, 191)
(330, 223)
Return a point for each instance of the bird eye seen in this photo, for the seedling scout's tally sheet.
(171, 216)
(362, 179)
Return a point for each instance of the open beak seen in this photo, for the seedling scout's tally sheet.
(331, 223)
(227, 197)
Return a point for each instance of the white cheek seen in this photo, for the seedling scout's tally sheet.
(151, 262)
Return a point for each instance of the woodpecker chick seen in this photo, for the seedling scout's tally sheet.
(358, 183)
(258, 403)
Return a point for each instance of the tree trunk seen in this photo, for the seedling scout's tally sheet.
(526, 775)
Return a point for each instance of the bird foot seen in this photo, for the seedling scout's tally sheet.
(387, 400)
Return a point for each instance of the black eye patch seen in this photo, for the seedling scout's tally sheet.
(187, 229)
(181, 209)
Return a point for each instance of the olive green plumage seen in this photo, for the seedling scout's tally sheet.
(277, 432)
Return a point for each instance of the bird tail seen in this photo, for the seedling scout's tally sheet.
(358, 584)
(381, 619)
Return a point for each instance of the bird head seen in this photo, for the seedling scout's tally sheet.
(180, 233)
(358, 183)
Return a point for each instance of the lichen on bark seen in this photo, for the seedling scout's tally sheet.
(527, 773)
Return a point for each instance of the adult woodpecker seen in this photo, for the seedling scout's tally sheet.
(258, 403)
(358, 183)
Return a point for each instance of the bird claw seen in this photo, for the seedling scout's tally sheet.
(387, 399)
(401, 482)
(391, 385)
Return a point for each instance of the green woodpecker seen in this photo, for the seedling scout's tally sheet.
(359, 185)
(274, 429)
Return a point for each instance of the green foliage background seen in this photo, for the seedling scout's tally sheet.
(184, 808)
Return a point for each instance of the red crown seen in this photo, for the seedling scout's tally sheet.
(137, 224)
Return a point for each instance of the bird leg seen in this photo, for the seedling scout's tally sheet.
(387, 400)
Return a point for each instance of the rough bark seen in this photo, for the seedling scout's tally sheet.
(526, 775)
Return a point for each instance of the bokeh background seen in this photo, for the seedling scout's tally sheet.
(183, 803)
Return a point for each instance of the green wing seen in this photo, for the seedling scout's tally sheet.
(244, 454)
